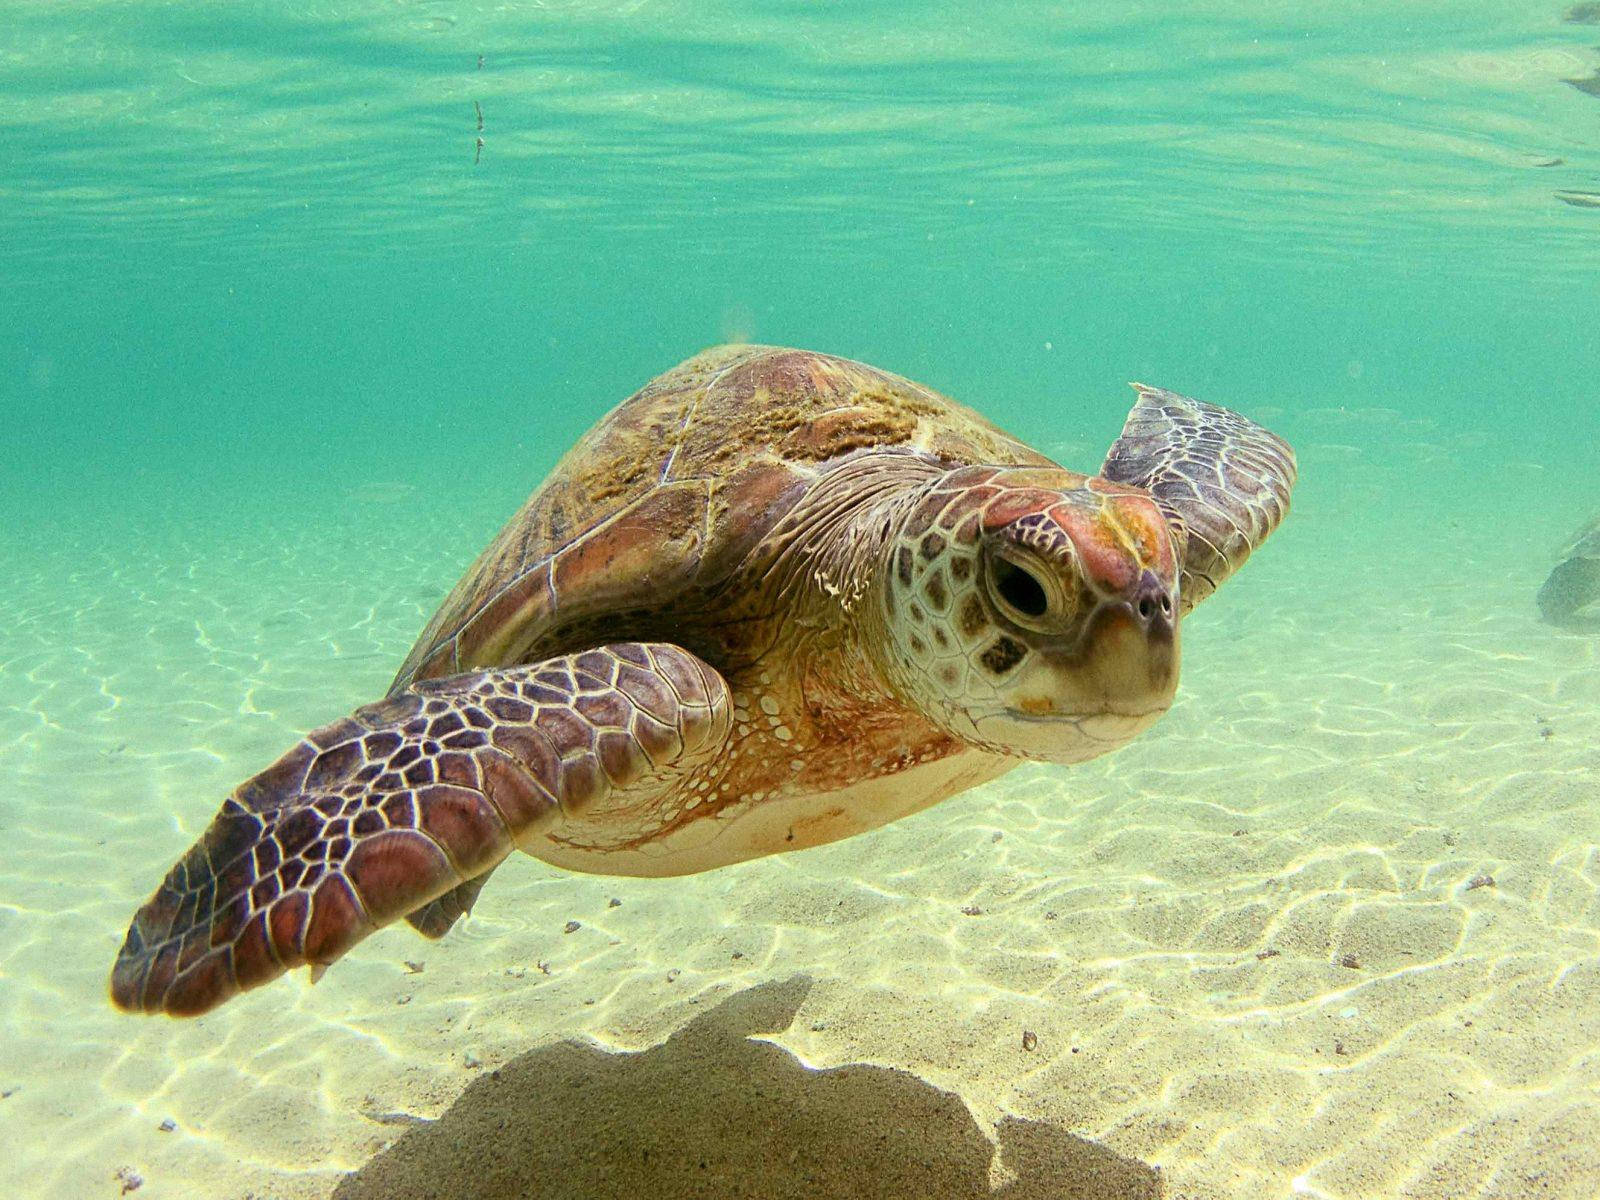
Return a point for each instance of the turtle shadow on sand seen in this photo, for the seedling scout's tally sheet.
(711, 1112)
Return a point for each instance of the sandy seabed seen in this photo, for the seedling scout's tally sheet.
(1331, 929)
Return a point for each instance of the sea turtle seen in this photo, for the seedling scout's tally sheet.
(1570, 596)
(774, 599)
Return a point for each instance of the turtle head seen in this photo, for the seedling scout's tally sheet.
(1034, 611)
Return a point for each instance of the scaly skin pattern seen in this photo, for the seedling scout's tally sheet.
(377, 814)
(1222, 480)
(953, 646)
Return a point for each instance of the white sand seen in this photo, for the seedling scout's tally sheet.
(1247, 945)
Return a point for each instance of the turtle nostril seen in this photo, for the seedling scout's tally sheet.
(1153, 603)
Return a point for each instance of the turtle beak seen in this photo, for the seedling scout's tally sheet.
(1118, 682)
(1128, 664)
(1133, 651)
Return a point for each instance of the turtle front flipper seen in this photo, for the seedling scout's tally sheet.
(1222, 480)
(404, 802)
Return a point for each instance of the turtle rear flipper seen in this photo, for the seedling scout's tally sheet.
(1222, 480)
(404, 803)
(436, 918)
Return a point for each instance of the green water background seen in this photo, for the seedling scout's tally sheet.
(277, 357)
(249, 262)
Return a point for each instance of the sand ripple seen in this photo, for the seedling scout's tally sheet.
(1332, 929)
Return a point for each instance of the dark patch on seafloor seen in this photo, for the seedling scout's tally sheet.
(712, 1113)
(1589, 85)
(1570, 597)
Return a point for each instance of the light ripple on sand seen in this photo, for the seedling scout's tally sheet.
(1247, 945)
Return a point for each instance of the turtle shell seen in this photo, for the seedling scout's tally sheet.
(672, 490)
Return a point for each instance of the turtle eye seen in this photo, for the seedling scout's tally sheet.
(1020, 589)
(1024, 593)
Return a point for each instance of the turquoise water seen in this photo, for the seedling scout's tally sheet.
(281, 346)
